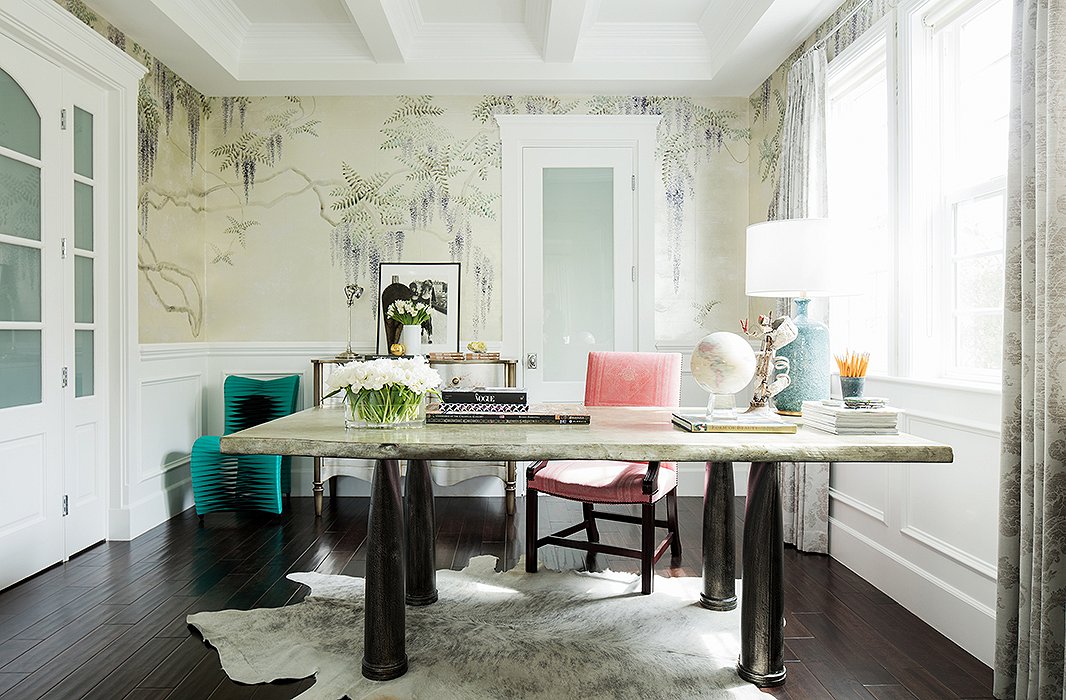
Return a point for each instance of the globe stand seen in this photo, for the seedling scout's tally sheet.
(721, 407)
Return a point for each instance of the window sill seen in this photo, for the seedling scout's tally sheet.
(989, 388)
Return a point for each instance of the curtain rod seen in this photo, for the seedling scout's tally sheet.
(854, 11)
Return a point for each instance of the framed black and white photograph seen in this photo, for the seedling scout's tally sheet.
(434, 284)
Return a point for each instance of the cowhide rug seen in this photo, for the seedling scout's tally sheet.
(496, 635)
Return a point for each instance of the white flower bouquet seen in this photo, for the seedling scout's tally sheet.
(408, 313)
(384, 393)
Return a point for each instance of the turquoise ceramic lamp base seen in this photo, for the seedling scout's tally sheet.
(808, 357)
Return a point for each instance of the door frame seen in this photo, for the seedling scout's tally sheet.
(518, 132)
(49, 31)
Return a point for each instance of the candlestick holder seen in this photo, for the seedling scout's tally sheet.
(351, 293)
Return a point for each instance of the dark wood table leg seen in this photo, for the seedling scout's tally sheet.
(421, 554)
(384, 655)
(762, 607)
(719, 553)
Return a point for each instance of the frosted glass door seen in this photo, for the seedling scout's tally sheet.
(31, 343)
(578, 264)
(578, 254)
(84, 474)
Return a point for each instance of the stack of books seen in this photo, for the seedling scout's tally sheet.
(500, 405)
(489, 400)
(759, 422)
(865, 419)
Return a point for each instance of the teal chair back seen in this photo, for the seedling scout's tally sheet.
(250, 402)
(223, 482)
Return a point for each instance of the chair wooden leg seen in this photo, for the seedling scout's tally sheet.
(531, 530)
(671, 519)
(590, 522)
(647, 547)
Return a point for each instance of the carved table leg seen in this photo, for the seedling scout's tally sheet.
(719, 554)
(421, 556)
(384, 655)
(762, 634)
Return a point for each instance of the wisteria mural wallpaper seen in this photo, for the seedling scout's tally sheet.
(256, 211)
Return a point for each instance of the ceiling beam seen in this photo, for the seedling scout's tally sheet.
(562, 30)
(725, 24)
(381, 28)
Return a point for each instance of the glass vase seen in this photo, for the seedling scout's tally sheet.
(392, 406)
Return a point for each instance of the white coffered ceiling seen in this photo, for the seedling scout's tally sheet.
(336, 47)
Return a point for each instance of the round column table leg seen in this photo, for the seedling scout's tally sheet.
(384, 655)
(719, 553)
(421, 555)
(762, 607)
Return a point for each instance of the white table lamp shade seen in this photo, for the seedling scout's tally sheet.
(791, 258)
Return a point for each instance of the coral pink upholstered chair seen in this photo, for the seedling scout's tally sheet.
(615, 379)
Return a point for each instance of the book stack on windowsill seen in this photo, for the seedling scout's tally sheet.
(863, 417)
(500, 405)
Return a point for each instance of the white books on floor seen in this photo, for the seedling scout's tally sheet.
(833, 417)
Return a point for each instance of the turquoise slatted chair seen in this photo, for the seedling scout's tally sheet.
(223, 482)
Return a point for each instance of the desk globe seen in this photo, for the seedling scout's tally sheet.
(723, 363)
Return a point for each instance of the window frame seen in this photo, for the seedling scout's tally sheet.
(921, 210)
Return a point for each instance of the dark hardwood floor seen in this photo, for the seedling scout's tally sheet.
(110, 623)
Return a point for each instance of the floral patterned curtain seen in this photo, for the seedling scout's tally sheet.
(1030, 622)
(801, 192)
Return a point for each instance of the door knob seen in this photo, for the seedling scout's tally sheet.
(531, 360)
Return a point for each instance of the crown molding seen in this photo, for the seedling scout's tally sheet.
(46, 26)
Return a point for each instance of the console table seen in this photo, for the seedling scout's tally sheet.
(456, 374)
(619, 433)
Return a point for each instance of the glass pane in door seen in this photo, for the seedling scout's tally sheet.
(83, 289)
(578, 269)
(20, 283)
(20, 199)
(20, 368)
(20, 129)
(84, 373)
(83, 216)
(83, 142)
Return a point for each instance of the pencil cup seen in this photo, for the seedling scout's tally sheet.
(851, 387)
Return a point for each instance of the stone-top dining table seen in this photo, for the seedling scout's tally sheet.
(394, 579)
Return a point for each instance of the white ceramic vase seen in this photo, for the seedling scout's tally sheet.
(411, 339)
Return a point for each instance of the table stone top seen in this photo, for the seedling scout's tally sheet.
(617, 433)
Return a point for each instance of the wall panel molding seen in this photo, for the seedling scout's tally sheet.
(861, 506)
(986, 569)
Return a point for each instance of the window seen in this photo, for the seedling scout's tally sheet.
(860, 186)
(971, 54)
(917, 174)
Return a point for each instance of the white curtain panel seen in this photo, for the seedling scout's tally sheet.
(801, 193)
(1030, 619)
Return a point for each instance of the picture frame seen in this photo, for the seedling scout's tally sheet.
(435, 283)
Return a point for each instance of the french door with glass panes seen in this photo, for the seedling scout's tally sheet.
(53, 429)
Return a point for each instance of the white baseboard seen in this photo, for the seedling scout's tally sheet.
(959, 617)
(149, 511)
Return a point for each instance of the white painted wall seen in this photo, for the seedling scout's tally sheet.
(925, 534)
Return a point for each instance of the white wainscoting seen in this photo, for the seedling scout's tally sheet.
(925, 534)
(181, 386)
